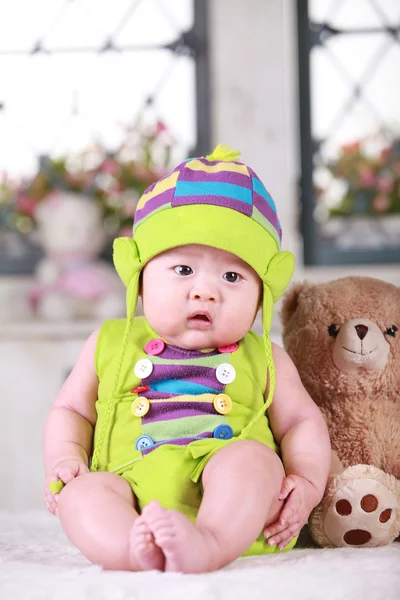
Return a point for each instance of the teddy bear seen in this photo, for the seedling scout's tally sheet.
(71, 282)
(344, 338)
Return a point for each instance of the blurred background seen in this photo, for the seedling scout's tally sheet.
(100, 99)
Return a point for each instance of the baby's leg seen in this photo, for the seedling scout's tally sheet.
(97, 514)
(241, 488)
(241, 484)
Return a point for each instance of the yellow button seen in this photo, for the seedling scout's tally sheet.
(140, 406)
(223, 404)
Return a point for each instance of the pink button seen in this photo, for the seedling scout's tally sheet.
(154, 347)
(228, 349)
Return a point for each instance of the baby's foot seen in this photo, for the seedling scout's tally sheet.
(186, 549)
(143, 549)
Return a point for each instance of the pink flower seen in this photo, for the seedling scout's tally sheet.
(109, 166)
(161, 127)
(367, 177)
(385, 184)
(26, 205)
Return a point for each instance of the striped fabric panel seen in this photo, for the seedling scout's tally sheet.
(164, 411)
(265, 209)
(202, 164)
(170, 429)
(160, 396)
(175, 353)
(213, 189)
(238, 205)
(163, 200)
(165, 184)
(178, 442)
(259, 187)
(201, 360)
(203, 376)
(257, 216)
(179, 386)
(224, 176)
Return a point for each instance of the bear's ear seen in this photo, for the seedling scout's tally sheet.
(290, 301)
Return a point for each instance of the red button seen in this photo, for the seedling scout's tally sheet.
(228, 349)
(140, 389)
(154, 347)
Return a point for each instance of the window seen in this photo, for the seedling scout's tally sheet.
(349, 92)
(78, 72)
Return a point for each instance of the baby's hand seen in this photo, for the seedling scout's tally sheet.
(64, 471)
(300, 498)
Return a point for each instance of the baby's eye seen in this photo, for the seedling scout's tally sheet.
(183, 270)
(231, 276)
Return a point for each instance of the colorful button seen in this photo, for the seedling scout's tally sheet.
(154, 347)
(225, 373)
(140, 406)
(144, 442)
(223, 432)
(228, 349)
(143, 368)
(140, 389)
(222, 404)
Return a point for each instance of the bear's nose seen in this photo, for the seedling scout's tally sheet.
(362, 331)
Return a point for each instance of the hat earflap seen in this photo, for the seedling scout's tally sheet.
(275, 282)
(128, 266)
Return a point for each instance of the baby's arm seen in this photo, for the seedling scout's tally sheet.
(68, 432)
(300, 430)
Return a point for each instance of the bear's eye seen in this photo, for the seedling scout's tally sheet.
(333, 330)
(391, 330)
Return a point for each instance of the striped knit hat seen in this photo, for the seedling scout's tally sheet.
(214, 201)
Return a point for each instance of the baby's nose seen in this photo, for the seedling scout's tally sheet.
(205, 296)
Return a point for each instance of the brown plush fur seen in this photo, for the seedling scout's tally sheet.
(362, 409)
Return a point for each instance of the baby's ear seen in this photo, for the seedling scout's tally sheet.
(290, 301)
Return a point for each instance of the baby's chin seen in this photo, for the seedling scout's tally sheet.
(195, 340)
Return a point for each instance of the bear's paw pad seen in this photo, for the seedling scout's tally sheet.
(361, 513)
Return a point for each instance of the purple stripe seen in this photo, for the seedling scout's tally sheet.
(153, 395)
(275, 222)
(168, 411)
(179, 441)
(194, 373)
(159, 200)
(262, 205)
(224, 176)
(242, 207)
(175, 353)
(252, 173)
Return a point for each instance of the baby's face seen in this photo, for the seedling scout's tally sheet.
(198, 297)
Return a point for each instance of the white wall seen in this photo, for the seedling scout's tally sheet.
(254, 95)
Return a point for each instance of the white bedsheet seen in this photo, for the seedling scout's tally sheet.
(38, 563)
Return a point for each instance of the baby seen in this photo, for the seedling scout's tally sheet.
(182, 440)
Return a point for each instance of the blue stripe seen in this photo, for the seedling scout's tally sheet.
(214, 188)
(177, 386)
(259, 187)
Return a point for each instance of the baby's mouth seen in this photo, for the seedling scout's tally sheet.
(200, 320)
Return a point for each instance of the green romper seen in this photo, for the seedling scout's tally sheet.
(172, 409)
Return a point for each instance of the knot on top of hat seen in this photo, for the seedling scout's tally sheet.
(279, 273)
(126, 258)
(224, 153)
